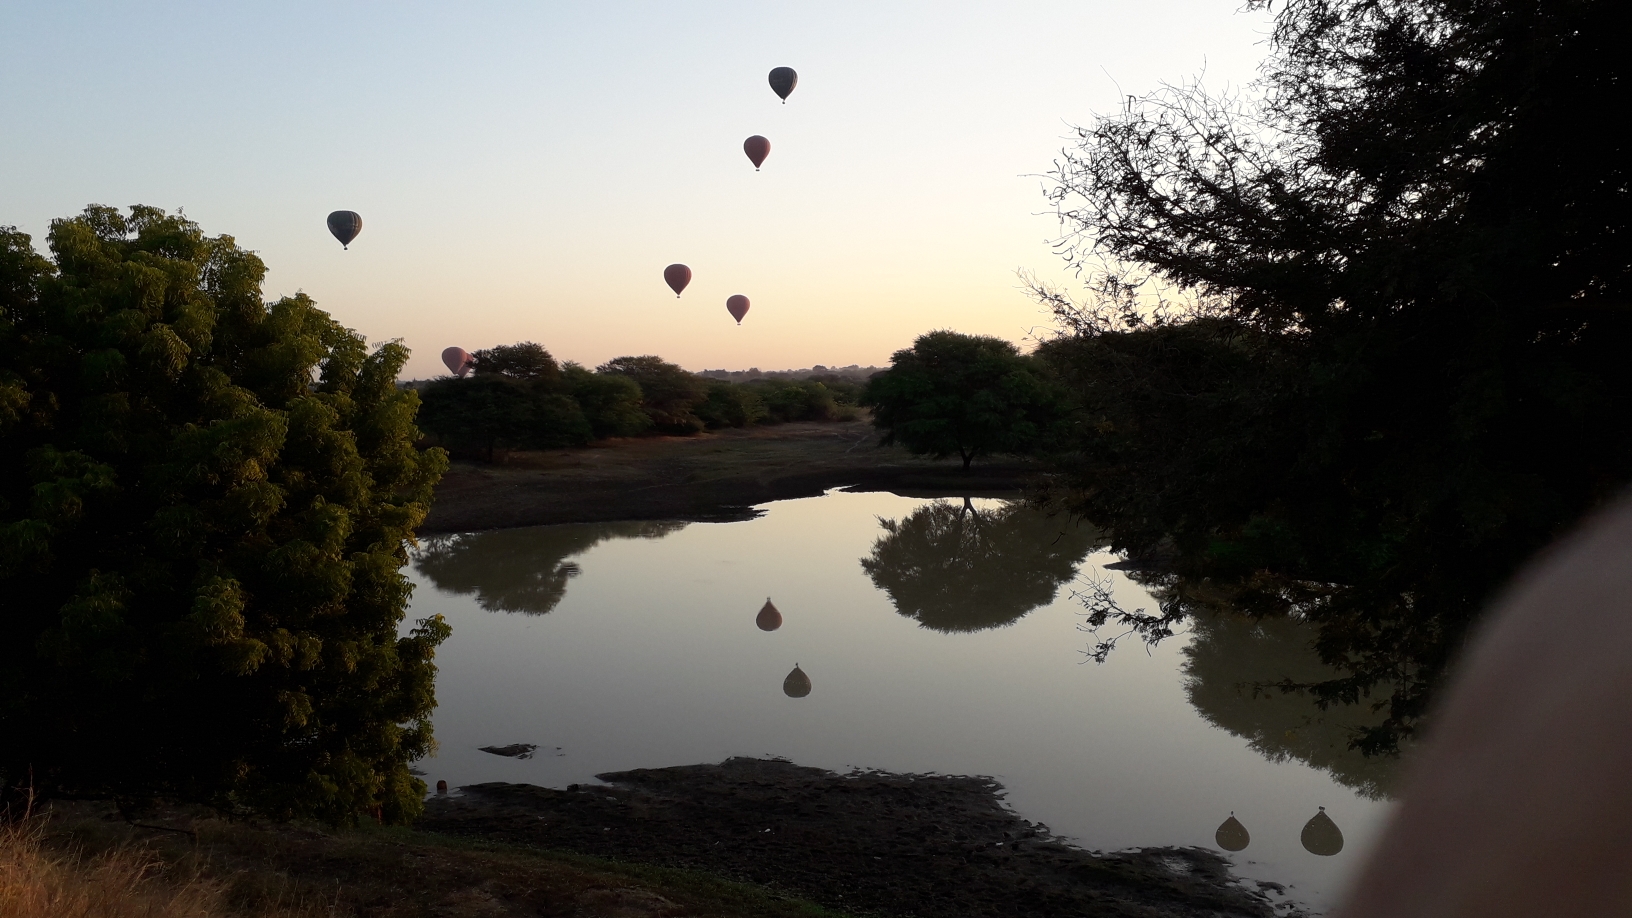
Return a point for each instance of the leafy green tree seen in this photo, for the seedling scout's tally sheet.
(730, 405)
(205, 502)
(1397, 362)
(489, 411)
(787, 401)
(526, 360)
(610, 401)
(951, 567)
(668, 393)
(964, 395)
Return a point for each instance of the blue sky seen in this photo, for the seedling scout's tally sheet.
(526, 170)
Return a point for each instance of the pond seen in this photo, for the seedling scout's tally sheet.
(935, 635)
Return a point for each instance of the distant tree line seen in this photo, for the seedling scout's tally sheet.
(519, 397)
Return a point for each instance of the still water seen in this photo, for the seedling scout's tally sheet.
(937, 636)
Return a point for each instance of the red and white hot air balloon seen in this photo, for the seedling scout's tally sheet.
(458, 360)
(677, 277)
(757, 149)
(737, 306)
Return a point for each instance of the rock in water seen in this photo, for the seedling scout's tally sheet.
(514, 750)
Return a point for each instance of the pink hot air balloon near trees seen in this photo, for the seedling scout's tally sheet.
(677, 277)
(458, 361)
(737, 306)
(757, 149)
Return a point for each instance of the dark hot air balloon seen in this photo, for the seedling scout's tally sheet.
(1231, 834)
(737, 306)
(458, 360)
(768, 619)
(677, 277)
(797, 685)
(757, 149)
(1321, 836)
(441, 787)
(783, 79)
(346, 224)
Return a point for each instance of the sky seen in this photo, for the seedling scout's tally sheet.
(525, 170)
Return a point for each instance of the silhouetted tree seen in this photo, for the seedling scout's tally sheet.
(964, 395)
(668, 393)
(205, 501)
(526, 360)
(611, 402)
(1398, 364)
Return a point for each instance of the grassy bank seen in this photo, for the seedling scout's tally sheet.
(715, 475)
(83, 862)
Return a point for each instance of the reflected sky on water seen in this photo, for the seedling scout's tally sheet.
(936, 636)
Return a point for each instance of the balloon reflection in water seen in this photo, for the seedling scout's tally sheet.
(1321, 836)
(797, 685)
(1232, 835)
(768, 619)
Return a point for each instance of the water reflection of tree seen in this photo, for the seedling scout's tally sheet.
(522, 570)
(1364, 674)
(952, 567)
(1234, 666)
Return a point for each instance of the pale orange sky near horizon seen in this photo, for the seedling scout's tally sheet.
(526, 170)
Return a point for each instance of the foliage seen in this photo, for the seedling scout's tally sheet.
(526, 360)
(1401, 367)
(491, 411)
(611, 402)
(730, 405)
(952, 567)
(669, 394)
(966, 395)
(204, 506)
(787, 401)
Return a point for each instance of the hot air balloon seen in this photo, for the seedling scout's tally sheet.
(441, 787)
(768, 619)
(783, 79)
(677, 277)
(346, 224)
(458, 360)
(737, 306)
(797, 685)
(1231, 834)
(1320, 835)
(757, 149)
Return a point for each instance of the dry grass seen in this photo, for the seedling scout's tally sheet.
(83, 861)
(125, 882)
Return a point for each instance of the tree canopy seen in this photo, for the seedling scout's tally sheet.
(668, 393)
(527, 360)
(205, 501)
(964, 395)
(1394, 358)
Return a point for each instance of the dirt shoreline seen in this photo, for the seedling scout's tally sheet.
(893, 844)
(715, 476)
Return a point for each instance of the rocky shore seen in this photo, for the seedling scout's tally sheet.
(868, 842)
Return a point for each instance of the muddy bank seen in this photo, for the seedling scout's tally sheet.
(710, 477)
(902, 845)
